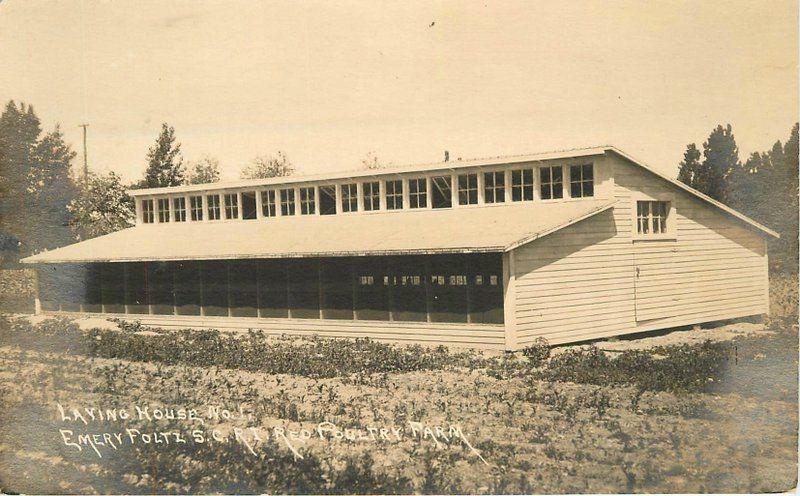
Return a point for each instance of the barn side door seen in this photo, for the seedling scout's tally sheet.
(654, 278)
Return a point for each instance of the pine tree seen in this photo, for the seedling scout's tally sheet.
(19, 132)
(50, 189)
(766, 189)
(164, 161)
(35, 180)
(689, 167)
(720, 158)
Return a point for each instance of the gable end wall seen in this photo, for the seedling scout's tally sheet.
(580, 283)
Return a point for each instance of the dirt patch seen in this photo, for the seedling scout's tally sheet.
(727, 332)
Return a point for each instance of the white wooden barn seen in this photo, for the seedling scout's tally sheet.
(567, 246)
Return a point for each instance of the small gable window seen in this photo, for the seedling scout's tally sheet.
(652, 217)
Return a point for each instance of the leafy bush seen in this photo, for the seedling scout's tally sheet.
(254, 351)
(783, 295)
(17, 290)
(537, 353)
(687, 367)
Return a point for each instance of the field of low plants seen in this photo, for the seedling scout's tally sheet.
(209, 412)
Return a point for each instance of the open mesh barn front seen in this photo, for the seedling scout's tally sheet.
(461, 288)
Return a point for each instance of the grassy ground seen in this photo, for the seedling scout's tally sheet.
(697, 417)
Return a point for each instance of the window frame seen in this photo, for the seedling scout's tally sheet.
(308, 202)
(231, 208)
(160, 210)
(465, 190)
(671, 232)
(449, 198)
(498, 193)
(348, 201)
(415, 196)
(195, 208)
(148, 211)
(269, 204)
(325, 189)
(179, 211)
(288, 202)
(581, 182)
(214, 208)
(551, 184)
(242, 204)
(523, 186)
(394, 199)
(371, 196)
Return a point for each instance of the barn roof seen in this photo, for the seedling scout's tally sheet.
(460, 230)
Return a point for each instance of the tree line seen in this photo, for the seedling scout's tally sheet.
(43, 205)
(764, 187)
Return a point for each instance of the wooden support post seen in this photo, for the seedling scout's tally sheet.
(353, 285)
(174, 286)
(147, 289)
(202, 291)
(509, 301)
(228, 287)
(320, 289)
(259, 202)
(288, 290)
(37, 302)
(258, 288)
(427, 276)
(125, 306)
(466, 270)
(390, 286)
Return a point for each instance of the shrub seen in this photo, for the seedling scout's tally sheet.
(537, 353)
(674, 368)
(254, 351)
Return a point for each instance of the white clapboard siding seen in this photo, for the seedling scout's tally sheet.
(580, 283)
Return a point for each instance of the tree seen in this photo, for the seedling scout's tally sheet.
(102, 207)
(19, 133)
(372, 162)
(164, 161)
(766, 189)
(720, 159)
(266, 166)
(50, 189)
(205, 170)
(35, 180)
(689, 167)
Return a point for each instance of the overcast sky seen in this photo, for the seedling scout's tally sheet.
(330, 82)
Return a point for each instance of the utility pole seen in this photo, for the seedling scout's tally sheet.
(85, 162)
